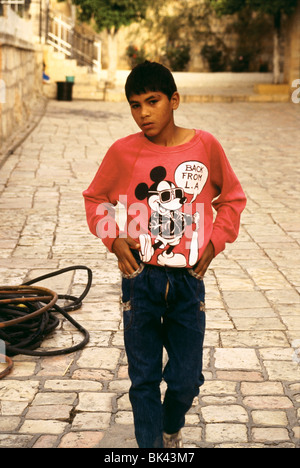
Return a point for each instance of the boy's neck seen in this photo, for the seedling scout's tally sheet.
(173, 136)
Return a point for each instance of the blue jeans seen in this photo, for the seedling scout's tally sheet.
(163, 307)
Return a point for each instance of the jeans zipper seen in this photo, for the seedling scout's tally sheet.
(167, 291)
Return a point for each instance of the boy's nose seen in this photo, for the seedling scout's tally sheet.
(145, 112)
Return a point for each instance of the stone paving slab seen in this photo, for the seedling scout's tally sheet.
(251, 361)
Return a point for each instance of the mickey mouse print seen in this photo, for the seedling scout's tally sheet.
(169, 220)
(177, 199)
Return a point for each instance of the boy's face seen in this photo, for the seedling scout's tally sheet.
(153, 112)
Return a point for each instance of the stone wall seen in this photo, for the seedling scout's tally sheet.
(21, 67)
(196, 24)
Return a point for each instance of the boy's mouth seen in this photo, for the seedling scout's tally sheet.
(147, 125)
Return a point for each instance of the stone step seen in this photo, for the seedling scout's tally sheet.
(58, 67)
(89, 90)
(86, 92)
(80, 91)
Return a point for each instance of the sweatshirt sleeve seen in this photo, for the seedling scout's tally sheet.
(229, 199)
(102, 196)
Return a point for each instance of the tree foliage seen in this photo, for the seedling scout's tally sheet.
(270, 7)
(108, 14)
(274, 8)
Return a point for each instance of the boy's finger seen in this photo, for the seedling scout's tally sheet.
(202, 266)
(129, 269)
(132, 243)
(205, 260)
(201, 269)
(130, 264)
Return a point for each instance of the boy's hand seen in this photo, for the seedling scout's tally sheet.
(121, 248)
(206, 259)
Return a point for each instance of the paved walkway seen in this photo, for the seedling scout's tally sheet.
(251, 396)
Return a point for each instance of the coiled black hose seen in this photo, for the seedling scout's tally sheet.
(27, 316)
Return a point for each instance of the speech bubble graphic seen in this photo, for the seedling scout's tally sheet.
(191, 176)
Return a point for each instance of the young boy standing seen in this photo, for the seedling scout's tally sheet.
(170, 179)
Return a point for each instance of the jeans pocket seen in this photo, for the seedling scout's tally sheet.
(128, 284)
(127, 315)
(135, 274)
(198, 287)
(201, 317)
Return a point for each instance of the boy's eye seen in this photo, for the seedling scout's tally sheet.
(153, 102)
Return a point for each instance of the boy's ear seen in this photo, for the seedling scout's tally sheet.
(175, 100)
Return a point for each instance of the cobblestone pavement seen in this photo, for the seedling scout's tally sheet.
(252, 393)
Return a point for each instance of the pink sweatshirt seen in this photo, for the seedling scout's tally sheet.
(169, 194)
